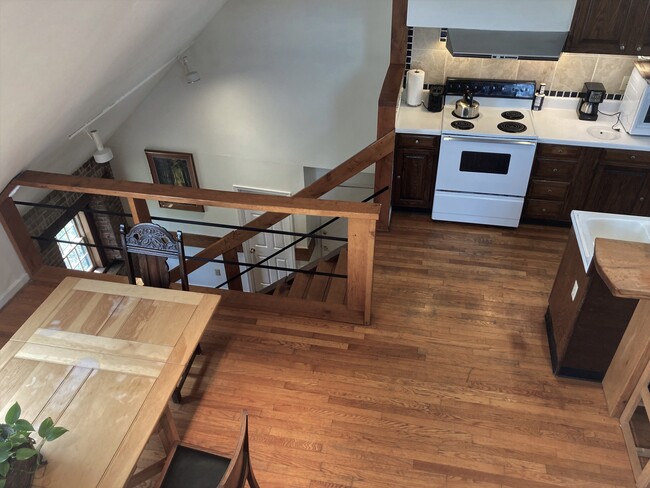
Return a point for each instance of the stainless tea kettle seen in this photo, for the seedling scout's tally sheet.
(466, 107)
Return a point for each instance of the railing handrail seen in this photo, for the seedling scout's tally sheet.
(197, 196)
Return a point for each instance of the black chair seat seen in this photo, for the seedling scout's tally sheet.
(191, 468)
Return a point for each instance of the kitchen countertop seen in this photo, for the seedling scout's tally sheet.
(624, 267)
(556, 123)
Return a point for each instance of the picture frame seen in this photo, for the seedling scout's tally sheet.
(174, 168)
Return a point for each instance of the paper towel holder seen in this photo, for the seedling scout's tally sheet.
(414, 87)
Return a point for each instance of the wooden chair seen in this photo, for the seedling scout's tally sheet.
(191, 466)
(154, 244)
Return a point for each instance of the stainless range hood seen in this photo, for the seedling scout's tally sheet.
(513, 29)
(477, 43)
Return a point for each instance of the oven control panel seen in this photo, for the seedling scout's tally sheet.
(491, 88)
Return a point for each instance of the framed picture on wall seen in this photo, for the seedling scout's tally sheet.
(174, 168)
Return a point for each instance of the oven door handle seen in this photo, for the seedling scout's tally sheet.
(488, 140)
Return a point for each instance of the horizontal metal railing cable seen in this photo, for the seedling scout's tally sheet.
(191, 258)
(185, 221)
(280, 251)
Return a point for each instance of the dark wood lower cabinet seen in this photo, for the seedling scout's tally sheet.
(585, 322)
(566, 178)
(620, 187)
(414, 175)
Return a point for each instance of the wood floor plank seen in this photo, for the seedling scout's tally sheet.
(450, 387)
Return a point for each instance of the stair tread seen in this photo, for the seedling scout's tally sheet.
(299, 285)
(338, 286)
(319, 284)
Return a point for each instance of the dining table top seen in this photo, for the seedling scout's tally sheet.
(102, 359)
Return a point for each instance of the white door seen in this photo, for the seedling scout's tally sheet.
(265, 244)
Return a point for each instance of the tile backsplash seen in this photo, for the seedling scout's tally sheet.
(428, 53)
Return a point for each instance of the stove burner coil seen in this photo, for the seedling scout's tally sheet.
(512, 115)
(462, 125)
(512, 127)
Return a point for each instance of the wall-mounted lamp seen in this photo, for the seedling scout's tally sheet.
(190, 76)
(103, 154)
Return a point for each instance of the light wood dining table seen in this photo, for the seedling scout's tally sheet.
(102, 359)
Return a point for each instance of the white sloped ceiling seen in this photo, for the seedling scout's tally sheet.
(63, 61)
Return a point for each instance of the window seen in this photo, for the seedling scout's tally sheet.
(75, 254)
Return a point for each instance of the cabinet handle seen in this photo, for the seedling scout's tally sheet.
(642, 199)
(399, 177)
(549, 191)
(417, 141)
(622, 47)
(560, 151)
(632, 156)
(555, 170)
(639, 48)
(543, 210)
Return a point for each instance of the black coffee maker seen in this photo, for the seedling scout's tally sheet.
(592, 95)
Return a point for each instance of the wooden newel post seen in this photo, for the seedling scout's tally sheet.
(361, 255)
(14, 226)
(139, 210)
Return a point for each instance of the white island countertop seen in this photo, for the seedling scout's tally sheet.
(556, 123)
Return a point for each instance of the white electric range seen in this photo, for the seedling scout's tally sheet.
(485, 163)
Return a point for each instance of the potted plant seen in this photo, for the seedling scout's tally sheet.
(20, 455)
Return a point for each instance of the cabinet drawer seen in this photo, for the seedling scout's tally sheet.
(548, 190)
(558, 152)
(543, 209)
(557, 170)
(626, 156)
(408, 140)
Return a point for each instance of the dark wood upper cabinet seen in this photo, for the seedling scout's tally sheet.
(414, 175)
(610, 27)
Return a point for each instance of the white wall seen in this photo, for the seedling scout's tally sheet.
(284, 84)
(61, 63)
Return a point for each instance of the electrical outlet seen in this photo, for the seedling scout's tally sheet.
(624, 82)
(574, 291)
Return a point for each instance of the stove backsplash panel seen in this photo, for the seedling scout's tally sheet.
(564, 77)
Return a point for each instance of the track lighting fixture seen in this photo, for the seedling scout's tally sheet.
(103, 154)
(190, 76)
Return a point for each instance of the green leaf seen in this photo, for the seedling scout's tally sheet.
(13, 413)
(25, 453)
(23, 425)
(2, 483)
(19, 439)
(4, 469)
(4, 456)
(45, 427)
(55, 433)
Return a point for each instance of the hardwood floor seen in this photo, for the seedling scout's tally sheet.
(450, 387)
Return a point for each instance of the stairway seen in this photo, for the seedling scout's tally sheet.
(309, 286)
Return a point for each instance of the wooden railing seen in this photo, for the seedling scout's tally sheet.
(362, 217)
(387, 106)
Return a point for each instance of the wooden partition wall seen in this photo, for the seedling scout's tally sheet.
(388, 101)
(362, 218)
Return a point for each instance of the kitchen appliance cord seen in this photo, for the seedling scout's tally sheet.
(618, 119)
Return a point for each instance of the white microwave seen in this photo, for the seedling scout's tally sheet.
(635, 107)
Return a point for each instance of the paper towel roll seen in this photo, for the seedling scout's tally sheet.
(414, 87)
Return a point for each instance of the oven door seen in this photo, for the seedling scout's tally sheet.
(485, 165)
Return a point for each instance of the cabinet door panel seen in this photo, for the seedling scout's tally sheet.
(619, 189)
(639, 40)
(601, 26)
(414, 178)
